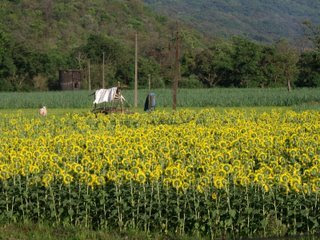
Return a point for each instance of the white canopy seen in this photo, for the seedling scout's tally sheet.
(107, 95)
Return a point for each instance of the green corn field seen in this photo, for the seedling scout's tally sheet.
(217, 97)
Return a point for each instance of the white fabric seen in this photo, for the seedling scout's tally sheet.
(105, 95)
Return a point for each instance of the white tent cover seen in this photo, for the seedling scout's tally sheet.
(105, 95)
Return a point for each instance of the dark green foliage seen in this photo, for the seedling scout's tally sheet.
(246, 59)
(6, 62)
(24, 69)
(47, 36)
(309, 65)
(118, 59)
(97, 44)
(243, 63)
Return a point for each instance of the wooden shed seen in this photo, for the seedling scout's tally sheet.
(70, 79)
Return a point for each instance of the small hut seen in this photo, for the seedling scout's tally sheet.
(70, 79)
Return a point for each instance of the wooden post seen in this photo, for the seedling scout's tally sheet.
(120, 95)
(176, 69)
(103, 83)
(89, 75)
(136, 72)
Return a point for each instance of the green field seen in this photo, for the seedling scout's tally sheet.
(215, 97)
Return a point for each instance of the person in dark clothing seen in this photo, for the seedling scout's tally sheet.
(150, 103)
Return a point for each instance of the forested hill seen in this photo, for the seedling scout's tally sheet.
(262, 20)
(37, 38)
(66, 24)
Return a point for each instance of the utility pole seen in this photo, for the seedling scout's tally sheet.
(89, 75)
(176, 69)
(103, 85)
(136, 72)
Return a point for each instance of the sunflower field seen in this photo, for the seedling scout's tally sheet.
(206, 173)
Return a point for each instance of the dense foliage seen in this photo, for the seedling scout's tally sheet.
(37, 39)
(225, 174)
(243, 63)
(67, 34)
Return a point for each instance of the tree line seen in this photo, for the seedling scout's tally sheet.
(243, 63)
(236, 62)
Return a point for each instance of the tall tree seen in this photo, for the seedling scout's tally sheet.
(287, 62)
(246, 63)
(309, 65)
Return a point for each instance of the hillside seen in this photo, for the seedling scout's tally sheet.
(258, 19)
(37, 38)
(64, 25)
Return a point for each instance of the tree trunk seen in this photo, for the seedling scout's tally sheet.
(289, 85)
